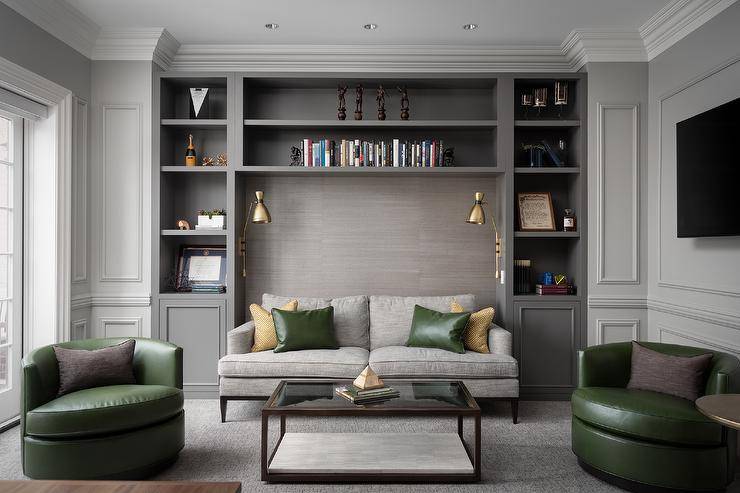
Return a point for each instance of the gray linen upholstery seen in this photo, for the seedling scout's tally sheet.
(346, 362)
(402, 361)
(500, 341)
(351, 315)
(241, 339)
(390, 316)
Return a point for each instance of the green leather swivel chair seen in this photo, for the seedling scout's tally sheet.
(113, 432)
(642, 440)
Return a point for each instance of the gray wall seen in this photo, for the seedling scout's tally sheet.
(694, 287)
(24, 43)
(617, 243)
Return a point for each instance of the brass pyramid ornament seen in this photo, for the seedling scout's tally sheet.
(368, 379)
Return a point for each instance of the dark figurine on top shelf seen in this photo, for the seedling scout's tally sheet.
(296, 156)
(380, 98)
(358, 102)
(404, 103)
(342, 109)
(448, 157)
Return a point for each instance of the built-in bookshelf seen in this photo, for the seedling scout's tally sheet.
(255, 120)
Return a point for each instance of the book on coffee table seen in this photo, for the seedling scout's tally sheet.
(357, 396)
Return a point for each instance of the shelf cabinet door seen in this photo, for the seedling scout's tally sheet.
(547, 340)
(198, 327)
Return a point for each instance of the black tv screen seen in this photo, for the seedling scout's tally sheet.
(708, 173)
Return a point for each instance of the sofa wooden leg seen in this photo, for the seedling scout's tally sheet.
(515, 410)
(224, 401)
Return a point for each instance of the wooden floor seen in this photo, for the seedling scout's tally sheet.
(371, 453)
(118, 487)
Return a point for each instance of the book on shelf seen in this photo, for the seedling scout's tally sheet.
(555, 289)
(357, 396)
(372, 153)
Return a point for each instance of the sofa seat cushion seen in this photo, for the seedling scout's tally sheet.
(644, 414)
(104, 410)
(402, 361)
(345, 362)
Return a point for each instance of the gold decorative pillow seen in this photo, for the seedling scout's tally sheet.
(264, 326)
(475, 336)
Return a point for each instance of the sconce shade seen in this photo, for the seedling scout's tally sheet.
(477, 215)
(260, 214)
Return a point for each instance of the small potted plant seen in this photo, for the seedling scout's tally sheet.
(215, 219)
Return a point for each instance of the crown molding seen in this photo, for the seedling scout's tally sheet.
(584, 46)
(367, 58)
(144, 44)
(61, 20)
(677, 20)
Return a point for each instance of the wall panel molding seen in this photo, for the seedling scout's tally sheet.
(687, 285)
(89, 301)
(603, 325)
(633, 276)
(79, 190)
(706, 314)
(630, 302)
(123, 145)
(691, 338)
(120, 326)
(79, 329)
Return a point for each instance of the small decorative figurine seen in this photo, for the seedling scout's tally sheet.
(342, 109)
(207, 161)
(448, 156)
(561, 279)
(404, 103)
(296, 156)
(183, 225)
(221, 160)
(358, 102)
(368, 380)
(380, 98)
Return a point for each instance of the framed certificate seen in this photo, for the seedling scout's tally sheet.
(201, 265)
(535, 211)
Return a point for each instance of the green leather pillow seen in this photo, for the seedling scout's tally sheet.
(307, 329)
(433, 329)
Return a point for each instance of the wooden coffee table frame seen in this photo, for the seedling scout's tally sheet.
(373, 411)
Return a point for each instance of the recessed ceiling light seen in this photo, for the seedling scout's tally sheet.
(370, 26)
(470, 27)
(271, 25)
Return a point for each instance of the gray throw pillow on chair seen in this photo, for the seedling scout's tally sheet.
(682, 376)
(84, 369)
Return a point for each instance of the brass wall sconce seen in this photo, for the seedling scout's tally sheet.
(257, 214)
(478, 216)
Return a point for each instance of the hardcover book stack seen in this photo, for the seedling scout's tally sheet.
(555, 289)
(207, 287)
(395, 153)
(522, 276)
(369, 396)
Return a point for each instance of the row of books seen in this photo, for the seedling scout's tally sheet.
(555, 289)
(371, 396)
(207, 287)
(396, 153)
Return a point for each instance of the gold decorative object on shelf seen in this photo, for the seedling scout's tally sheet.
(190, 157)
(221, 160)
(478, 216)
(561, 279)
(368, 380)
(183, 225)
(257, 214)
(207, 161)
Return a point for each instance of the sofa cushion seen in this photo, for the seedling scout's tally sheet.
(305, 329)
(351, 315)
(390, 316)
(646, 415)
(102, 410)
(402, 361)
(345, 362)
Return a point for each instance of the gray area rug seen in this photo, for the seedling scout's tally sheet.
(532, 456)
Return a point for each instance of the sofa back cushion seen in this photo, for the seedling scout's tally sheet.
(390, 316)
(351, 316)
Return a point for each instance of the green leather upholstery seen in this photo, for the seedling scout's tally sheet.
(119, 431)
(650, 438)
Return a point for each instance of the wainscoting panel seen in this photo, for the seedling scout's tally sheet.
(618, 194)
(403, 235)
(121, 189)
(676, 335)
(120, 327)
(79, 190)
(617, 330)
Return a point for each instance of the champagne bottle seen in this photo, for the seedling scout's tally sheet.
(190, 158)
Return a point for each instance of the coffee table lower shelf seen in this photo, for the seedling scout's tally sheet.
(387, 457)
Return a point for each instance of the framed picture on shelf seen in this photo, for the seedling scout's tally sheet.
(202, 269)
(535, 211)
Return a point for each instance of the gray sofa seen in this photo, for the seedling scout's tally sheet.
(370, 330)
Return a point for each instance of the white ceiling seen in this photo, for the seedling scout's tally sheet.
(501, 22)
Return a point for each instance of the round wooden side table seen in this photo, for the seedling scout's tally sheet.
(722, 408)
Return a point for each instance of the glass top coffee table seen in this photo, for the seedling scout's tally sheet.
(371, 457)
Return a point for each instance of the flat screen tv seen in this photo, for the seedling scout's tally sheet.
(708, 173)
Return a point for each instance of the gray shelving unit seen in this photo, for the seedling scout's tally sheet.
(256, 118)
